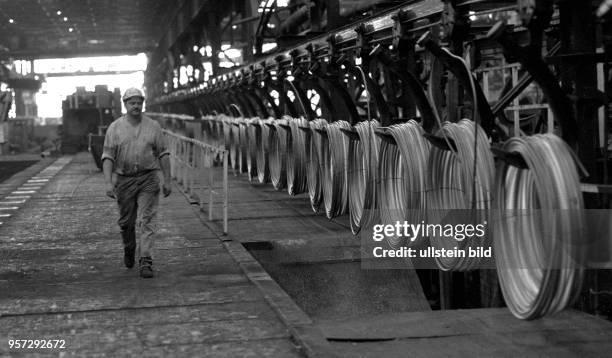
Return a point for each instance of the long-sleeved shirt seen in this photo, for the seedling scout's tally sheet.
(134, 149)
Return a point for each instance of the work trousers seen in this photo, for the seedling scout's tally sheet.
(138, 198)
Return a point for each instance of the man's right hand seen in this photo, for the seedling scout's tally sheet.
(110, 192)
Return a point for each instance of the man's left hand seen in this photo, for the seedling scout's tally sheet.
(167, 189)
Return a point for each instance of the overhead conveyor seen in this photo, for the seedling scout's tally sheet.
(392, 115)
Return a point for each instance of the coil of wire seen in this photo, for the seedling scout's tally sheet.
(252, 133)
(297, 155)
(403, 177)
(226, 128)
(314, 165)
(461, 179)
(262, 143)
(538, 243)
(233, 140)
(277, 154)
(216, 128)
(243, 145)
(207, 130)
(362, 169)
(217, 132)
(335, 153)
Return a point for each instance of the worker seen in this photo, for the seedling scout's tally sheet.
(134, 152)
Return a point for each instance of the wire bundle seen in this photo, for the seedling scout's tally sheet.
(362, 166)
(207, 136)
(460, 180)
(538, 240)
(314, 164)
(226, 128)
(335, 153)
(263, 142)
(243, 145)
(232, 138)
(277, 154)
(297, 156)
(215, 131)
(219, 131)
(252, 130)
(403, 176)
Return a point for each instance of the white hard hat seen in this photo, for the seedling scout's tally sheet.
(132, 92)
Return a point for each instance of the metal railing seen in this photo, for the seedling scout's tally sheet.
(192, 165)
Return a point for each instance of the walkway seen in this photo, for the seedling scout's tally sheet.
(62, 277)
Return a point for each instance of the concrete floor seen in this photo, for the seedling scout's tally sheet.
(62, 277)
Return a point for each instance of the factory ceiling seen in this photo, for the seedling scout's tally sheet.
(66, 28)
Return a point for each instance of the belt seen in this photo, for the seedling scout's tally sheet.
(137, 174)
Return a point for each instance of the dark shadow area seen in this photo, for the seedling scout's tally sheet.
(10, 168)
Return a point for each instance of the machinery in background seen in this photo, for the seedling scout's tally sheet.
(5, 105)
(86, 115)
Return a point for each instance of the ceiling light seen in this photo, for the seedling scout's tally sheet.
(70, 29)
(11, 21)
(59, 12)
(65, 19)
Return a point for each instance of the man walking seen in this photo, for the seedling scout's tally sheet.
(134, 152)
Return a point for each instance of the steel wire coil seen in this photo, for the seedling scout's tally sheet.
(226, 128)
(277, 154)
(362, 169)
(232, 140)
(262, 142)
(207, 130)
(314, 164)
(403, 178)
(538, 244)
(335, 154)
(454, 184)
(252, 130)
(243, 145)
(218, 132)
(217, 128)
(297, 156)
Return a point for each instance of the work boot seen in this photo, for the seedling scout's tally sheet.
(129, 253)
(146, 267)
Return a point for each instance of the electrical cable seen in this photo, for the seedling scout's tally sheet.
(538, 242)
